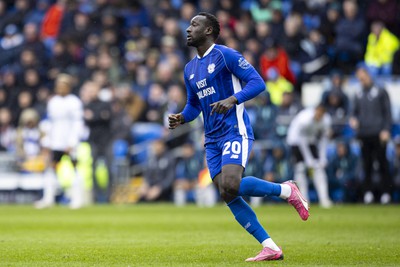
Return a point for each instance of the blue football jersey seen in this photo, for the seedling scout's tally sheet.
(218, 75)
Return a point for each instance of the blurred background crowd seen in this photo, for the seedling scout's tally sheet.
(135, 51)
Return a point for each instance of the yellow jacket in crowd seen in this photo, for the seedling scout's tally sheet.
(277, 88)
(380, 50)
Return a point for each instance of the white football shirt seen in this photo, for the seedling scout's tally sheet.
(65, 118)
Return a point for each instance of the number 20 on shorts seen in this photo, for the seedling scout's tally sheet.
(233, 148)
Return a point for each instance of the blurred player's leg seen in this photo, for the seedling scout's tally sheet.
(77, 191)
(301, 179)
(180, 193)
(50, 185)
(77, 186)
(321, 186)
(256, 201)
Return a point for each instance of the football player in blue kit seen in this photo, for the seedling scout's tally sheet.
(213, 81)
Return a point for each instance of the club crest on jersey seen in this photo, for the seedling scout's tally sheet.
(243, 63)
(211, 68)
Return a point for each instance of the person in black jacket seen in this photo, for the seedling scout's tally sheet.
(372, 119)
(97, 116)
(159, 174)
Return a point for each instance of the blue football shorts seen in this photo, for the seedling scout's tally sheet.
(231, 150)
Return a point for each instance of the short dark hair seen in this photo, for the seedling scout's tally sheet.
(213, 22)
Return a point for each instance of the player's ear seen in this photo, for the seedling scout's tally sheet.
(209, 30)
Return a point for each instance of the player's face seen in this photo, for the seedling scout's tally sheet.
(196, 32)
(319, 113)
(62, 88)
(364, 78)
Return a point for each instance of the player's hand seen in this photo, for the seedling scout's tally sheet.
(354, 123)
(384, 136)
(153, 193)
(174, 120)
(68, 150)
(312, 163)
(224, 105)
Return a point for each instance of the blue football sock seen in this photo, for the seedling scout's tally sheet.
(247, 218)
(254, 187)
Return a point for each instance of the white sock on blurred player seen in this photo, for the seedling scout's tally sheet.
(301, 179)
(77, 191)
(180, 197)
(321, 186)
(50, 185)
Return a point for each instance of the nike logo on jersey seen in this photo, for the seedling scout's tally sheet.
(191, 76)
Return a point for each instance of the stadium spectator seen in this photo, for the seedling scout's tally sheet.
(308, 136)
(186, 13)
(277, 85)
(187, 172)
(24, 100)
(4, 102)
(17, 15)
(156, 103)
(60, 60)
(277, 166)
(42, 97)
(132, 103)
(337, 103)
(328, 23)
(342, 172)
(36, 14)
(98, 115)
(121, 121)
(31, 81)
(10, 85)
(159, 174)
(350, 35)
(262, 10)
(372, 120)
(28, 141)
(33, 43)
(3, 15)
(275, 56)
(263, 32)
(381, 46)
(265, 122)
(10, 44)
(386, 11)
(291, 38)
(7, 131)
(289, 107)
(51, 23)
(313, 58)
(396, 63)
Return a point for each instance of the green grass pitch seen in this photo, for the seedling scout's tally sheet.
(163, 235)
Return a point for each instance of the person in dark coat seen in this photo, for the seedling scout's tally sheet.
(159, 174)
(97, 116)
(372, 120)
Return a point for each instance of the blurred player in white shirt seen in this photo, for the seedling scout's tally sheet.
(308, 137)
(65, 118)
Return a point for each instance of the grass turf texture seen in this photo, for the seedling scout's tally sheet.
(163, 235)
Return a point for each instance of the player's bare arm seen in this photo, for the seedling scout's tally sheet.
(174, 120)
(224, 105)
